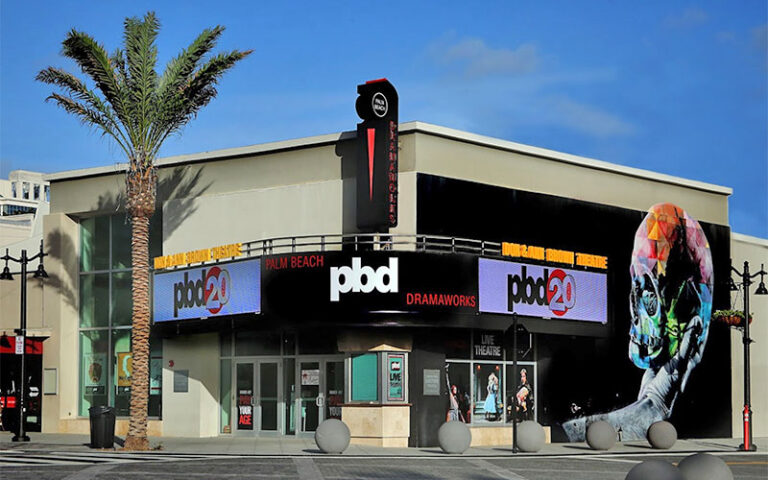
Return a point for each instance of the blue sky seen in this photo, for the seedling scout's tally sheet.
(673, 87)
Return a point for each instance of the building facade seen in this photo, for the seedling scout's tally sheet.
(517, 281)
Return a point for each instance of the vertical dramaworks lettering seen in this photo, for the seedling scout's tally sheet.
(377, 106)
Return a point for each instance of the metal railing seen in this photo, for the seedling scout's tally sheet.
(368, 242)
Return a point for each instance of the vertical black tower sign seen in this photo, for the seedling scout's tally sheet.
(377, 156)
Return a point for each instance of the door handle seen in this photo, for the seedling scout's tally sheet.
(320, 400)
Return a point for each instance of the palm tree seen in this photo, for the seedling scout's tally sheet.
(139, 109)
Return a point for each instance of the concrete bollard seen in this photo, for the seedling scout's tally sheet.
(662, 435)
(601, 435)
(703, 466)
(654, 470)
(530, 436)
(332, 436)
(454, 437)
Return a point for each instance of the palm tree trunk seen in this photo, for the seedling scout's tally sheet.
(137, 429)
(140, 184)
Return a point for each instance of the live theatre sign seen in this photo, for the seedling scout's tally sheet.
(377, 155)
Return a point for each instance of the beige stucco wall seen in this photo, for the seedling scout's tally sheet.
(755, 251)
(61, 302)
(196, 412)
(495, 166)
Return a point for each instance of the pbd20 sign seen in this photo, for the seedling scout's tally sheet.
(213, 290)
(540, 291)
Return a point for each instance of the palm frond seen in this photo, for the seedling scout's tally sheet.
(141, 55)
(94, 62)
(77, 89)
(178, 70)
(90, 116)
(199, 90)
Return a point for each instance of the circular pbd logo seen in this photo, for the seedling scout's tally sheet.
(217, 289)
(379, 104)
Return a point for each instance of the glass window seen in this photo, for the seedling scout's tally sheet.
(155, 236)
(36, 191)
(459, 398)
(321, 341)
(14, 193)
(94, 244)
(121, 242)
(225, 394)
(48, 193)
(155, 375)
(122, 300)
(257, 343)
(123, 367)
(94, 369)
(289, 376)
(105, 303)
(489, 404)
(365, 378)
(520, 393)
(225, 344)
(25, 190)
(94, 300)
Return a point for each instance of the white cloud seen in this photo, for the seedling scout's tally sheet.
(589, 119)
(477, 59)
(690, 17)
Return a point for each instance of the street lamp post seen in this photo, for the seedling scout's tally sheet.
(21, 333)
(746, 280)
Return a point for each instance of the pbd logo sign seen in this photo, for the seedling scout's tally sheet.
(540, 291)
(363, 279)
(211, 290)
(557, 290)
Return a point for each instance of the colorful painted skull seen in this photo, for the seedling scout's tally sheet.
(672, 283)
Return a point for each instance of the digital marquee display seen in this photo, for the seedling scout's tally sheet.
(542, 291)
(213, 290)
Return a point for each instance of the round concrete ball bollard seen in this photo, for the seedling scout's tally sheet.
(530, 436)
(332, 436)
(654, 470)
(454, 437)
(601, 435)
(703, 466)
(662, 435)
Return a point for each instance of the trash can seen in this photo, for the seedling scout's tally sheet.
(102, 427)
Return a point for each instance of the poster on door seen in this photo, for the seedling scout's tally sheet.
(245, 410)
(310, 377)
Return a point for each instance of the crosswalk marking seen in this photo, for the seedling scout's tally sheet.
(21, 459)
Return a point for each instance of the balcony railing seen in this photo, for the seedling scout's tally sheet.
(368, 242)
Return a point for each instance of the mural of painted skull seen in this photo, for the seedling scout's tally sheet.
(672, 284)
(670, 306)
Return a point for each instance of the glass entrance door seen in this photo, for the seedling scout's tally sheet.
(310, 397)
(257, 399)
(321, 392)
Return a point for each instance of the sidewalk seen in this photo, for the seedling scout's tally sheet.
(292, 446)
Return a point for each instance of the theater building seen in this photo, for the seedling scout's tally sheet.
(376, 276)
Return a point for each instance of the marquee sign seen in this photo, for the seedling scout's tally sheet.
(542, 291)
(213, 290)
(382, 281)
(377, 106)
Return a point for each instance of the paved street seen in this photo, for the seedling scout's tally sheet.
(108, 465)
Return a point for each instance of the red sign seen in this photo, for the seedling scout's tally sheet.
(8, 345)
